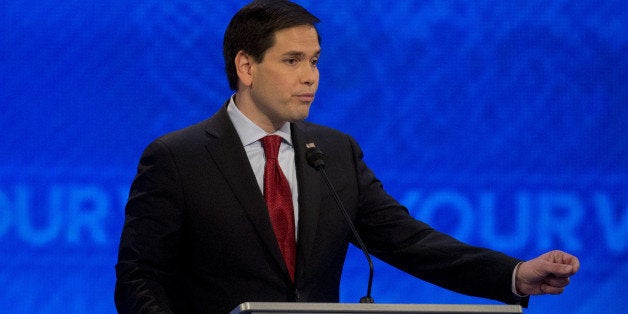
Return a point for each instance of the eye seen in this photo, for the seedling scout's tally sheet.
(291, 61)
(314, 62)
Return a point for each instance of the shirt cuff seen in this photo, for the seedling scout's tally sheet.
(513, 286)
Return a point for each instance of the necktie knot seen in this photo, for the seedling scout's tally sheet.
(271, 145)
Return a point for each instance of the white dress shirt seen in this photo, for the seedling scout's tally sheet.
(250, 135)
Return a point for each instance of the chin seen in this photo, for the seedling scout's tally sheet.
(299, 117)
(301, 113)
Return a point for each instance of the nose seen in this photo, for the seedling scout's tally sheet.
(309, 74)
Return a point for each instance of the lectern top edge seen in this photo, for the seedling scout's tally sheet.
(341, 308)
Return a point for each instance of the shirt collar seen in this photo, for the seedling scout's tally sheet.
(248, 131)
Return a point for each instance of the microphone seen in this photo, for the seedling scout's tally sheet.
(314, 157)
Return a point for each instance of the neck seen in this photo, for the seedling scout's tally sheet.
(246, 105)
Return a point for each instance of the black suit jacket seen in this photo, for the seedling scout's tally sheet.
(197, 237)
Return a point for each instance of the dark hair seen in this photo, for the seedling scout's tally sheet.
(253, 28)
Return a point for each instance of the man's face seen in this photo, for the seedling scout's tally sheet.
(283, 85)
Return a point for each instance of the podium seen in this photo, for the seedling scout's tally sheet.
(363, 308)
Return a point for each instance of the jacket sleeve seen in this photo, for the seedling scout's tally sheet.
(151, 236)
(397, 238)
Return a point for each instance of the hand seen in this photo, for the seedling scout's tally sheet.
(546, 274)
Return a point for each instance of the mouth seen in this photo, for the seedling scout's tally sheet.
(305, 97)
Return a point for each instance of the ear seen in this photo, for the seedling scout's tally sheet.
(244, 68)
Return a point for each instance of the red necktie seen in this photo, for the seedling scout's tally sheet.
(279, 201)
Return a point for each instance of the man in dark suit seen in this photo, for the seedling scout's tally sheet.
(201, 229)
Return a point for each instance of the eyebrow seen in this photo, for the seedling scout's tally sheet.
(300, 54)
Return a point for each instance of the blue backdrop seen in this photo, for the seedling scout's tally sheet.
(503, 123)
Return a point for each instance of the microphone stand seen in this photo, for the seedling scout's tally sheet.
(314, 158)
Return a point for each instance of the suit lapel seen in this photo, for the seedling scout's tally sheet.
(309, 183)
(226, 149)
